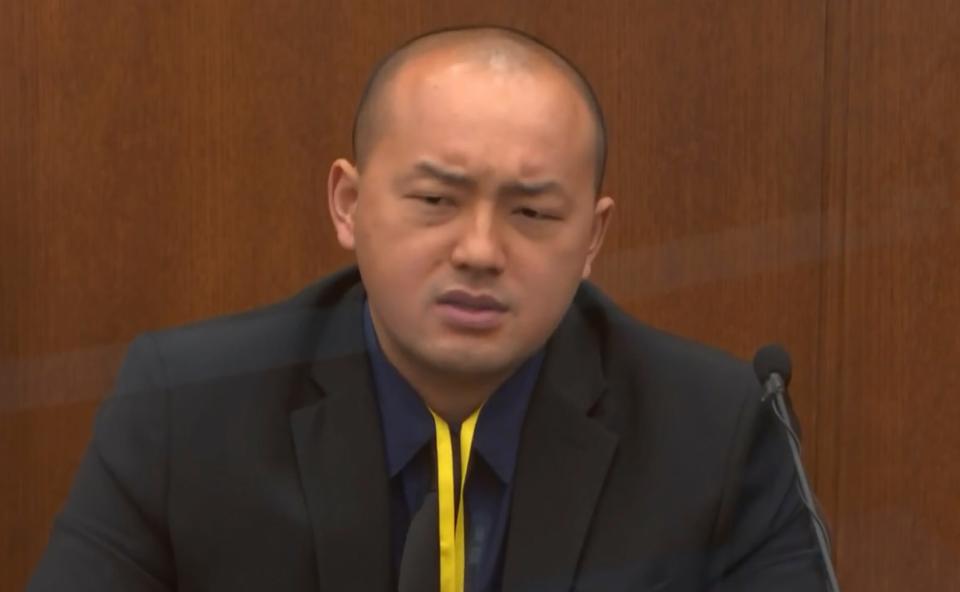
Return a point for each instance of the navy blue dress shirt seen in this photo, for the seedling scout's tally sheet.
(408, 431)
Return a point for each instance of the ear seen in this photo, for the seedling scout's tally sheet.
(343, 192)
(602, 210)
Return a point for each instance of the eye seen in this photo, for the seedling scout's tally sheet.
(534, 214)
(434, 200)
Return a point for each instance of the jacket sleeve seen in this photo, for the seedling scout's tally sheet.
(111, 533)
(765, 541)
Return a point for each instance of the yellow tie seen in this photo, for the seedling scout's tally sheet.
(452, 529)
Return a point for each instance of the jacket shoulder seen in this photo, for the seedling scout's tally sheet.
(274, 336)
(655, 360)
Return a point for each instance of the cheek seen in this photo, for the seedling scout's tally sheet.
(389, 239)
(397, 262)
(556, 258)
(552, 288)
(549, 278)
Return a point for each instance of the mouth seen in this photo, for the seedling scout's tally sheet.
(471, 311)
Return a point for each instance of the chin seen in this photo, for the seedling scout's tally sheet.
(468, 360)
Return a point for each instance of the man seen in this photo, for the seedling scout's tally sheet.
(460, 411)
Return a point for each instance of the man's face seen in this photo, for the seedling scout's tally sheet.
(474, 217)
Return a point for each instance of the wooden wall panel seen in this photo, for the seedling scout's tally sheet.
(166, 161)
(894, 333)
(784, 169)
(162, 162)
(716, 164)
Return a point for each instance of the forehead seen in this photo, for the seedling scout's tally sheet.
(496, 110)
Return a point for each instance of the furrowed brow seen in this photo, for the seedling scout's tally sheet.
(443, 175)
(531, 189)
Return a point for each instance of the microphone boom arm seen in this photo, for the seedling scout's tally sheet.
(775, 390)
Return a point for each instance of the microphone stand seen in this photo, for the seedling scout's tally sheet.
(775, 389)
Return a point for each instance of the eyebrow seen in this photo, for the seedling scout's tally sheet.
(443, 175)
(511, 189)
(528, 189)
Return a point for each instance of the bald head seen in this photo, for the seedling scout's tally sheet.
(499, 49)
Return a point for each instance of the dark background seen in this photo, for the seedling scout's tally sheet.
(784, 169)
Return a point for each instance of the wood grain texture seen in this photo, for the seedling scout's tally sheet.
(833, 199)
(784, 170)
(895, 331)
(175, 156)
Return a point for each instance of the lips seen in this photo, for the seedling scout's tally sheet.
(465, 311)
(479, 302)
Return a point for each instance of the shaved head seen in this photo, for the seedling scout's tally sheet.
(497, 48)
(478, 158)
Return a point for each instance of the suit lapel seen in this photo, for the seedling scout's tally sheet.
(339, 448)
(562, 463)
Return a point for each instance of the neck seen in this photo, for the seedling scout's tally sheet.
(454, 402)
(452, 396)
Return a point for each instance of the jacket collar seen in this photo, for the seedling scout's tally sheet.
(562, 463)
(339, 448)
(408, 426)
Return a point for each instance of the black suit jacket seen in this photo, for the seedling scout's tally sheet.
(245, 453)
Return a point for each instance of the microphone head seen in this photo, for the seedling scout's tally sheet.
(772, 358)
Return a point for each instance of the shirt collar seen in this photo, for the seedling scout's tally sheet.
(408, 426)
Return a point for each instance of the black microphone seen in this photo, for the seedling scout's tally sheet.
(772, 365)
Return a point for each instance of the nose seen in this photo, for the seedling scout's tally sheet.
(479, 248)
